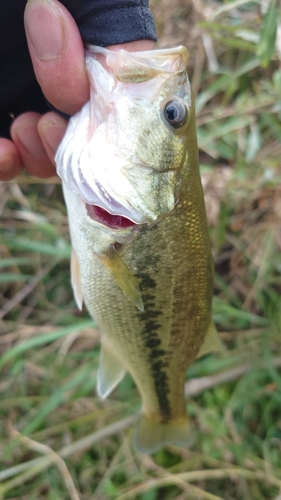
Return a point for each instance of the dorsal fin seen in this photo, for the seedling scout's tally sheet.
(211, 343)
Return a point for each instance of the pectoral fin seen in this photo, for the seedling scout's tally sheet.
(76, 280)
(211, 343)
(110, 372)
(123, 276)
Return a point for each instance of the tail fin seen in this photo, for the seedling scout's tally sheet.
(150, 435)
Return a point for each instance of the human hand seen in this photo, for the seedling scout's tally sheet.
(57, 54)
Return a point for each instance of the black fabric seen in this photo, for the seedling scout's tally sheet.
(108, 22)
(101, 22)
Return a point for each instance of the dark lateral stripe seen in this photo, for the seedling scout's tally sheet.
(150, 318)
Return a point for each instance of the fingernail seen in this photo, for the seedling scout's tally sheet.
(44, 29)
(52, 133)
(30, 142)
(7, 162)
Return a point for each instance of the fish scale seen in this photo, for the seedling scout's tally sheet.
(148, 285)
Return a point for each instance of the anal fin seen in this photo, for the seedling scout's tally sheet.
(110, 372)
(211, 343)
(123, 276)
(76, 280)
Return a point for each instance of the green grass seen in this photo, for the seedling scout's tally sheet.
(58, 440)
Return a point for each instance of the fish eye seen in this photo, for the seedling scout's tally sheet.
(175, 112)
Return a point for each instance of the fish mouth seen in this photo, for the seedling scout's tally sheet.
(109, 220)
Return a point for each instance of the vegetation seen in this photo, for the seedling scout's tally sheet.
(58, 440)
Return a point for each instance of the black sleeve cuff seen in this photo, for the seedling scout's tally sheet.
(111, 22)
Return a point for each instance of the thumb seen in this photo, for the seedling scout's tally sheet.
(57, 54)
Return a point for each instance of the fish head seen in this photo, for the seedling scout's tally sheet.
(123, 154)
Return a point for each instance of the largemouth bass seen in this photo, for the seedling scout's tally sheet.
(141, 253)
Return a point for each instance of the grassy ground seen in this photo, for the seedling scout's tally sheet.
(58, 441)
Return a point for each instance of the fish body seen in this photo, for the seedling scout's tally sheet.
(141, 253)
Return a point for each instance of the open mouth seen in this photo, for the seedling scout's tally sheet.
(112, 221)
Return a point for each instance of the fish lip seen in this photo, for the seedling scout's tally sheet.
(99, 197)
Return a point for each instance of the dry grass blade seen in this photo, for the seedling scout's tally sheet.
(191, 490)
(200, 475)
(197, 385)
(26, 290)
(24, 179)
(55, 458)
(34, 467)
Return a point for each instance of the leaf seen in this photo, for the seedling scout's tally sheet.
(253, 143)
(42, 340)
(14, 277)
(57, 250)
(16, 261)
(231, 5)
(224, 313)
(235, 123)
(273, 124)
(268, 35)
(58, 397)
(150, 495)
(276, 78)
(224, 81)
